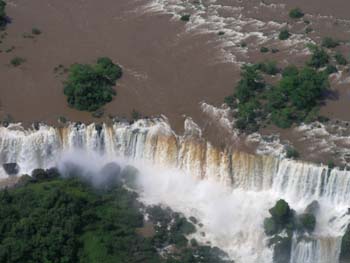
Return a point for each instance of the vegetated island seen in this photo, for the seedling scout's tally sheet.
(295, 98)
(89, 87)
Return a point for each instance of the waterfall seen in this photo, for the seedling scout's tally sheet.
(240, 187)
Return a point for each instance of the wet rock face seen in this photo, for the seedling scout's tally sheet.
(11, 168)
(312, 208)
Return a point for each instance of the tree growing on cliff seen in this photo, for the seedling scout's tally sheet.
(90, 86)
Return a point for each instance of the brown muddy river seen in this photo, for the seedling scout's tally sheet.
(170, 66)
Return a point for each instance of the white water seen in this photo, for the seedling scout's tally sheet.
(229, 192)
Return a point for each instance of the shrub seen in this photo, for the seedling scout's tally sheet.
(269, 67)
(330, 164)
(185, 17)
(230, 101)
(329, 42)
(282, 118)
(221, 33)
(270, 226)
(281, 212)
(36, 31)
(90, 86)
(135, 115)
(330, 69)
(319, 57)
(308, 30)
(284, 34)
(308, 222)
(296, 13)
(17, 61)
(264, 50)
(341, 60)
(290, 71)
(291, 153)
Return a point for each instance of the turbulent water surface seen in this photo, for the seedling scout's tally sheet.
(229, 192)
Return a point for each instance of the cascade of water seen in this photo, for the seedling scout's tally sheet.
(236, 185)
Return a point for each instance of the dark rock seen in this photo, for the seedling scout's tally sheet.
(312, 208)
(193, 219)
(70, 169)
(282, 249)
(109, 175)
(99, 128)
(11, 168)
(345, 247)
(40, 174)
(52, 173)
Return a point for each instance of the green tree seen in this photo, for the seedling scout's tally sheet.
(90, 86)
(296, 13)
(284, 34)
(319, 57)
(341, 60)
(329, 42)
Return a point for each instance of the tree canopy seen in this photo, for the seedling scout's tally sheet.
(89, 87)
(50, 219)
(294, 99)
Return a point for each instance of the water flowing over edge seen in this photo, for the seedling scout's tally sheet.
(228, 190)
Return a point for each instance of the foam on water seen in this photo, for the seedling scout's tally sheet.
(214, 16)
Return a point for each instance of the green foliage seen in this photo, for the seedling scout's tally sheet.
(66, 220)
(264, 50)
(221, 33)
(291, 153)
(36, 31)
(185, 17)
(296, 95)
(284, 34)
(135, 115)
(3, 19)
(268, 67)
(329, 42)
(285, 220)
(90, 86)
(17, 61)
(280, 212)
(296, 13)
(294, 99)
(270, 226)
(230, 101)
(308, 222)
(330, 164)
(330, 69)
(308, 30)
(248, 87)
(341, 60)
(319, 57)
